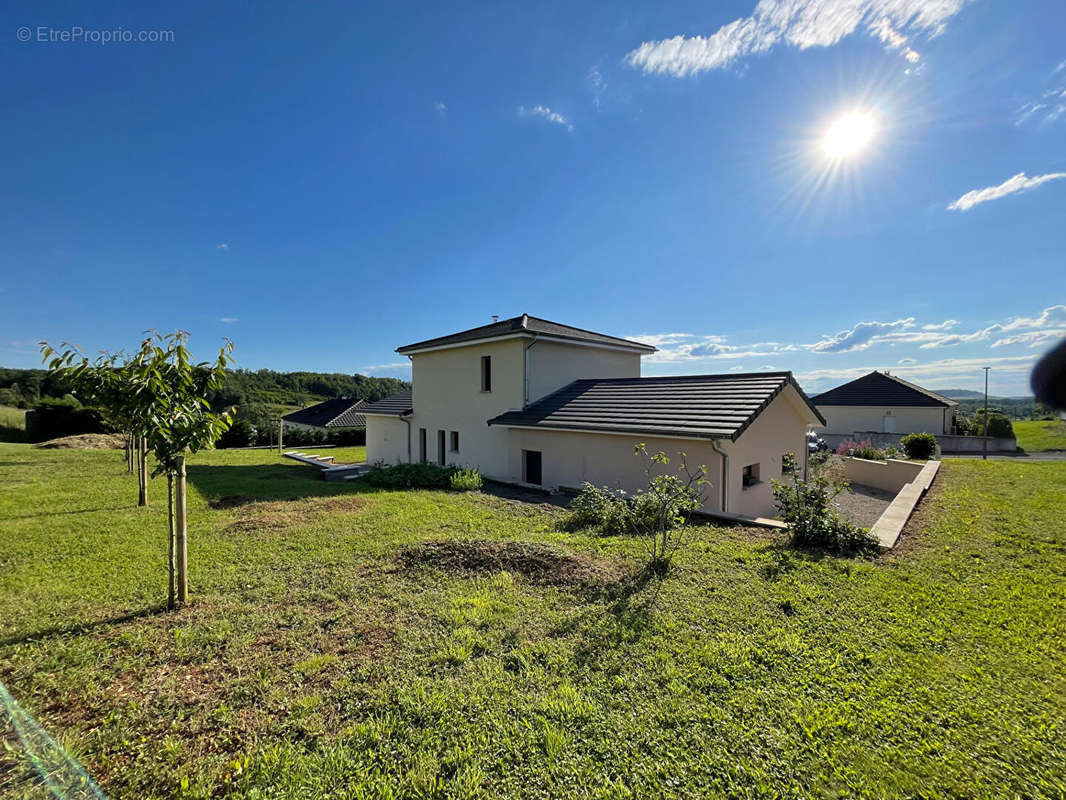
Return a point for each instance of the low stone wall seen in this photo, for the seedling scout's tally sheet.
(891, 475)
(948, 444)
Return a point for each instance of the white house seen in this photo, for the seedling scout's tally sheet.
(882, 403)
(531, 401)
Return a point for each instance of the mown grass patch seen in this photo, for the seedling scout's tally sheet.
(1040, 435)
(316, 661)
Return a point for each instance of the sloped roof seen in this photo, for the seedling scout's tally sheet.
(394, 405)
(879, 389)
(700, 406)
(341, 412)
(525, 325)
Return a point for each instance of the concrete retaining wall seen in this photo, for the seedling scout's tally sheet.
(948, 444)
(890, 524)
(891, 475)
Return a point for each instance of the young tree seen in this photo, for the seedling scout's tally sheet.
(164, 393)
(659, 513)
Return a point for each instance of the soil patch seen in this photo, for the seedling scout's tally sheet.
(234, 501)
(541, 563)
(277, 514)
(86, 441)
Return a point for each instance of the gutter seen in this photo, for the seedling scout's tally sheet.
(525, 371)
(725, 473)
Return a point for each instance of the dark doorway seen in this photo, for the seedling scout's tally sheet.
(440, 448)
(531, 466)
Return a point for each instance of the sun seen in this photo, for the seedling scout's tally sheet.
(848, 135)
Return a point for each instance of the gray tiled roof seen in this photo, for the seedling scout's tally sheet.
(531, 326)
(701, 406)
(394, 405)
(341, 412)
(879, 389)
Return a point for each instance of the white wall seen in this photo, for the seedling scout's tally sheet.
(386, 440)
(552, 365)
(447, 396)
(909, 419)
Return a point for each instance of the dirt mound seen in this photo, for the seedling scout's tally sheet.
(278, 514)
(86, 441)
(541, 563)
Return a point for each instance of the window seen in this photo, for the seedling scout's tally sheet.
(440, 448)
(455, 442)
(751, 475)
(421, 444)
(486, 373)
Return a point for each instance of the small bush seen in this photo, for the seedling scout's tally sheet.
(863, 449)
(54, 419)
(806, 507)
(919, 445)
(599, 507)
(421, 475)
(999, 426)
(466, 480)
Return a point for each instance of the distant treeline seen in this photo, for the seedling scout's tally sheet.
(260, 397)
(24, 387)
(1010, 407)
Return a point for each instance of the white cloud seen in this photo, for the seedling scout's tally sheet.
(222, 246)
(1032, 338)
(929, 373)
(379, 367)
(545, 113)
(811, 24)
(860, 337)
(941, 326)
(904, 361)
(1018, 183)
(228, 320)
(737, 368)
(439, 107)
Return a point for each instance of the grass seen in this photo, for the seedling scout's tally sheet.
(12, 424)
(317, 660)
(1040, 435)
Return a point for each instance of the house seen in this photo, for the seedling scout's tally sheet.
(530, 401)
(883, 403)
(341, 413)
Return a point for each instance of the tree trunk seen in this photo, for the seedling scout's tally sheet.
(171, 549)
(142, 471)
(182, 532)
(281, 436)
(129, 453)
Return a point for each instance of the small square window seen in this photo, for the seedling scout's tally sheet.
(751, 475)
(455, 441)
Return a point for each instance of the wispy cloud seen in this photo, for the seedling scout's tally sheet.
(439, 107)
(859, 337)
(934, 374)
(941, 326)
(802, 25)
(905, 361)
(228, 320)
(1018, 183)
(222, 246)
(383, 367)
(545, 113)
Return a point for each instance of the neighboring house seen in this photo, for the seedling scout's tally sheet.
(883, 403)
(531, 401)
(342, 413)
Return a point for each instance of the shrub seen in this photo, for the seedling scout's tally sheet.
(806, 507)
(863, 449)
(466, 480)
(599, 507)
(421, 475)
(240, 434)
(52, 419)
(919, 445)
(350, 437)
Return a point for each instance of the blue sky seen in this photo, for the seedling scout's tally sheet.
(325, 182)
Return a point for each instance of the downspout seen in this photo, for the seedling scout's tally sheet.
(725, 474)
(406, 419)
(525, 372)
(407, 422)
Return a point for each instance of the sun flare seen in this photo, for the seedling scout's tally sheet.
(848, 135)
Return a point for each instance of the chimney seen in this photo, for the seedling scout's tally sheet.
(495, 317)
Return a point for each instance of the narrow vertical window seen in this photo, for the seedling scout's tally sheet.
(455, 442)
(421, 444)
(486, 373)
(441, 458)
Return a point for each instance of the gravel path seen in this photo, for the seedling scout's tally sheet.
(863, 504)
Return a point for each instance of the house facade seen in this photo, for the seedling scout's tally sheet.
(883, 403)
(530, 401)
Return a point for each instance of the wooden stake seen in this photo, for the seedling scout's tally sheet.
(182, 532)
(281, 436)
(142, 471)
(171, 549)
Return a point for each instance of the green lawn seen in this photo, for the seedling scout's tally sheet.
(1036, 435)
(12, 417)
(318, 662)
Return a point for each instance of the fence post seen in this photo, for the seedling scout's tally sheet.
(182, 531)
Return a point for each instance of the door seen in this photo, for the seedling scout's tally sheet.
(531, 466)
(440, 448)
(888, 424)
